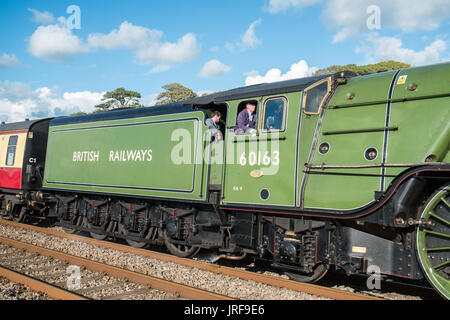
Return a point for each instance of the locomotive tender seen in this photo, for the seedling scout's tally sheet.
(353, 173)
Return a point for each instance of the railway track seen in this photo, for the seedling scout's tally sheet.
(319, 291)
(47, 271)
(34, 284)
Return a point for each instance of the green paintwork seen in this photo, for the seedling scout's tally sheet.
(245, 165)
(174, 170)
(326, 191)
(423, 122)
(247, 153)
(364, 89)
(216, 162)
(431, 270)
(418, 127)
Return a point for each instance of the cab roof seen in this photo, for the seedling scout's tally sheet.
(258, 90)
(248, 92)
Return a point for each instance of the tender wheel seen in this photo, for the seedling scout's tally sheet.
(433, 241)
(180, 250)
(319, 272)
(136, 244)
(98, 236)
(69, 230)
(21, 216)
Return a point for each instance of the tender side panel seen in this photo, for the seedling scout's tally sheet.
(153, 156)
(12, 146)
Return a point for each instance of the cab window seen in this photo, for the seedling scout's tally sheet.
(11, 153)
(246, 124)
(315, 96)
(274, 114)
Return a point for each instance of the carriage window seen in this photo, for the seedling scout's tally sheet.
(11, 154)
(315, 96)
(274, 115)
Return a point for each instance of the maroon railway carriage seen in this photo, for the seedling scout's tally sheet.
(22, 156)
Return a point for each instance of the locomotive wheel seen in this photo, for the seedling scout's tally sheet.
(136, 244)
(98, 236)
(319, 272)
(180, 250)
(433, 241)
(21, 216)
(69, 230)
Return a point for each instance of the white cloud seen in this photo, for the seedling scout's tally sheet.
(350, 17)
(150, 100)
(249, 39)
(276, 6)
(204, 92)
(297, 70)
(378, 48)
(160, 68)
(230, 47)
(214, 69)
(18, 101)
(8, 61)
(146, 44)
(42, 17)
(55, 43)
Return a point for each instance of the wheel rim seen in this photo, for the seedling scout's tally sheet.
(21, 216)
(180, 250)
(98, 236)
(136, 244)
(69, 230)
(319, 272)
(433, 242)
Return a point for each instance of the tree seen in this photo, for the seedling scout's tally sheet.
(119, 98)
(81, 113)
(370, 68)
(174, 92)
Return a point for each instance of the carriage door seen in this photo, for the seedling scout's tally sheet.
(259, 170)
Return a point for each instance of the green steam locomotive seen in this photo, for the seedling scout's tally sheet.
(336, 171)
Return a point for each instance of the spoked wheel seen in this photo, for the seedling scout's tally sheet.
(20, 216)
(67, 226)
(136, 244)
(319, 272)
(180, 250)
(69, 230)
(98, 236)
(433, 241)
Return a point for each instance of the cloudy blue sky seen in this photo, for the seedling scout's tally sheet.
(57, 59)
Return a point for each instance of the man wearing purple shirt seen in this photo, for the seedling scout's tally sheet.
(246, 118)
